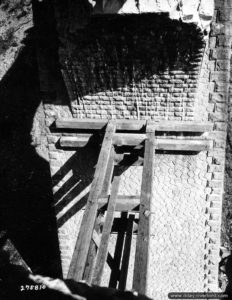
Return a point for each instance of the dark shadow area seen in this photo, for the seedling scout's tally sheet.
(82, 166)
(226, 267)
(226, 238)
(108, 52)
(25, 182)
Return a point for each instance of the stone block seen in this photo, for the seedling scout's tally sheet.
(217, 116)
(219, 76)
(214, 198)
(221, 53)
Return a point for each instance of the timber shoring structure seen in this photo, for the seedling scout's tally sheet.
(124, 143)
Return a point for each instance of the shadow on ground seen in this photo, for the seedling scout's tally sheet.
(25, 183)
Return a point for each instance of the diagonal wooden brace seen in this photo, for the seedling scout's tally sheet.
(103, 247)
(81, 249)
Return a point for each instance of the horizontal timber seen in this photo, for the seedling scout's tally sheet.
(81, 139)
(121, 139)
(132, 125)
(123, 203)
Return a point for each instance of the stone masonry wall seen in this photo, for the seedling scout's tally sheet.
(133, 67)
(226, 220)
(212, 104)
(191, 84)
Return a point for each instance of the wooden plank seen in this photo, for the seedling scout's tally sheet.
(129, 139)
(126, 254)
(118, 139)
(85, 234)
(133, 125)
(123, 203)
(175, 126)
(184, 144)
(97, 240)
(142, 244)
(89, 266)
(86, 124)
(80, 141)
(98, 124)
(192, 145)
(109, 173)
(103, 248)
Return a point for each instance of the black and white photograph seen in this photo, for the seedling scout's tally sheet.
(116, 149)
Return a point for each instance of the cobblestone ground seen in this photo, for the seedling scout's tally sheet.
(177, 224)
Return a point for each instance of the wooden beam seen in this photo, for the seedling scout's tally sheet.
(133, 125)
(85, 234)
(110, 260)
(86, 124)
(105, 238)
(80, 140)
(123, 203)
(174, 144)
(89, 266)
(143, 238)
(184, 144)
(192, 145)
(105, 191)
(128, 139)
(109, 172)
(175, 126)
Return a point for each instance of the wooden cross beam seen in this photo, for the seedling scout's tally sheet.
(130, 139)
(132, 125)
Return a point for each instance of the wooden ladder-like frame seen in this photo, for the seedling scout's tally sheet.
(106, 177)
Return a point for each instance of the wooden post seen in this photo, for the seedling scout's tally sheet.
(80, 253)
(103, 248)
(90, 262)
(142, 244)
(92, 251)
(109, 173)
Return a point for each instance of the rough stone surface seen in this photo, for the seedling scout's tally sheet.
(226, 242)
(196, 11)
(15, 21)
(178, 227)
(131, 181)
(130, 73)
